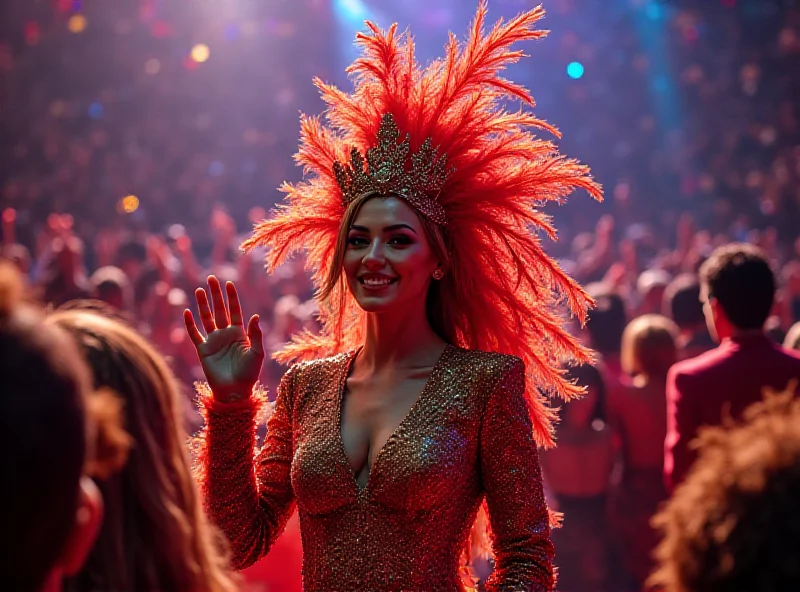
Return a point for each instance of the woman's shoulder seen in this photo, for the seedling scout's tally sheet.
(318, 368)
(484, 363)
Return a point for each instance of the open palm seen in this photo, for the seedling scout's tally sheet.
(231, 356)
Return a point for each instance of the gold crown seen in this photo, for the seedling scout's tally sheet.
(387, 172)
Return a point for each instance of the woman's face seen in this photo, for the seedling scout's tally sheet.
(388, 263)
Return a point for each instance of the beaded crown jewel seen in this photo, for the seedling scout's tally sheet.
(389, 170)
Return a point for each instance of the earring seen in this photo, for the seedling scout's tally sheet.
(438, 274)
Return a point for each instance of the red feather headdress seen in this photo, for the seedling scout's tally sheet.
(508, 291)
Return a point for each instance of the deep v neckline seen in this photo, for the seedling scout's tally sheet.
(340, 400)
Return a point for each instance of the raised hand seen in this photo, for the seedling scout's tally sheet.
(230, 356)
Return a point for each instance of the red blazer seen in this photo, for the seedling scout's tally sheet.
(725, 380)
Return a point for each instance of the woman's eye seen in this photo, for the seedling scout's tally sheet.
(357, 241)
(400, 239)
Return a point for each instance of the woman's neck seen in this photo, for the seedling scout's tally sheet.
(399, 338)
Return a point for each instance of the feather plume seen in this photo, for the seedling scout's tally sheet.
(506, 294)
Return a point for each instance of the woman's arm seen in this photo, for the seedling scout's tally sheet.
(249, 499)
(250, 504)
(512, 479)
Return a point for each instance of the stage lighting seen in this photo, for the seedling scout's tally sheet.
(575, 70)
(95, 110)
(129, 204)
(200, 52)
(77, 23)
(352, 10)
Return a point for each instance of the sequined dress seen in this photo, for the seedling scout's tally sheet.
(468, 435)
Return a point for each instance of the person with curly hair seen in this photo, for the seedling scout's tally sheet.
(734, 523)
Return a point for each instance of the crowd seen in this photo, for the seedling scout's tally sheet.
(148, 126)
(93, 414)
(661, 376)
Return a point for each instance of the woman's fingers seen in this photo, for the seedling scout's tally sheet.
(220, 310)
(191, 328)
(234, 304)
(255, 336)
(206, 318)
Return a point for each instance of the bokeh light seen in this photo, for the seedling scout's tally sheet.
(129, 204)
(95, 110)
(351, 10)
(77, 23)
(152, 66)
(575, 70)
(200, 52)
(216, 168)
(57, 108)
(231, 31)
(32, 32)
(160, 30)
(654, 11)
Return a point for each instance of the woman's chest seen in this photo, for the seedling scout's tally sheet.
(423, 450)
(371, 411)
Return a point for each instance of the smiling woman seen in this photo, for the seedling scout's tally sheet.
(418, 403)
(377, 234)
(387, 246)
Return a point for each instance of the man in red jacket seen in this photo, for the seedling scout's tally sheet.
(737, 291)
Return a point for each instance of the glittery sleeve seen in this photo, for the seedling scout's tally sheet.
(250, 500)
(512, 479)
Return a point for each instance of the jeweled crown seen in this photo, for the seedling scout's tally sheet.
(390, 171)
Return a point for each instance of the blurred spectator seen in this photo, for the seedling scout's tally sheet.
(110, 285)
(605, 327)
(637, 413)
(162, 310)
(51, 509)
(792, 340)
(734, 524)
(577, 472)
(64, 276)
(682, 304)
(650, 288)
(790, 275)
(738, 290)
(131, 258)
(10, 249)
(18, 255)
(155, 535)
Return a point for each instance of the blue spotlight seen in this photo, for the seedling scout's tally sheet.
(350, 16)
(353, 11)
(654, 11)
(575, 70)
(95, 110)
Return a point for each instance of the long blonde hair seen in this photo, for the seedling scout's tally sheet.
(155, 534)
